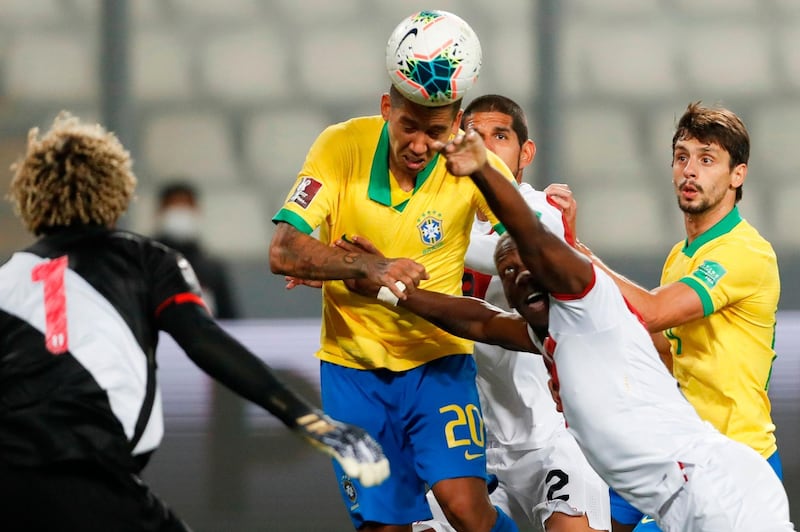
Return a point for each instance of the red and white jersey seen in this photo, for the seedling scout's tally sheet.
(518, 410)
(620, 403)
(480, 253)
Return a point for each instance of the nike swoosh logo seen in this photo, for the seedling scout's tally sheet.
(647, 519)
(412, 31)
(469, 456)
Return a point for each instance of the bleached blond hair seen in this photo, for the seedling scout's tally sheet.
(75, 174)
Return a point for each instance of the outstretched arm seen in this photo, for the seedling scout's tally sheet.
(297, 254)
(555, 264)
(661, 308)
(471, 318)
(226, 360)
(466, 317)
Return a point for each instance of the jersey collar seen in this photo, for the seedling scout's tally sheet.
(722, 227)
(379, 186)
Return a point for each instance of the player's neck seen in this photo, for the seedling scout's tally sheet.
(698, 223)
(405, 181)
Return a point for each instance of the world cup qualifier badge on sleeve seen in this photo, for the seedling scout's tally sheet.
(305, 191)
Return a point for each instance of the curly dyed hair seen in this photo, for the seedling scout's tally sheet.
(75, 174)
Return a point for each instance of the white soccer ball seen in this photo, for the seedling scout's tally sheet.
(433, 58)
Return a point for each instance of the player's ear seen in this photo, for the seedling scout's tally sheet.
(386, 105)
(527, 153)
(738, 175)
(457, 122)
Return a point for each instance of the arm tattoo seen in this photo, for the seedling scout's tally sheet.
(308, 258)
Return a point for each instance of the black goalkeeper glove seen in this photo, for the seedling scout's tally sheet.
(357, 452)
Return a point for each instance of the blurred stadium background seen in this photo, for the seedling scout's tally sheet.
(230, 93)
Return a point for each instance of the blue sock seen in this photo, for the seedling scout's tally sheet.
(503, 523)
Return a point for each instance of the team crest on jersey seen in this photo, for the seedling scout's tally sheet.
(709, 273)
(305, 192)
(430, 228)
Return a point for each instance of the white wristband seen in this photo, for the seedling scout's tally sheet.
(386, 295)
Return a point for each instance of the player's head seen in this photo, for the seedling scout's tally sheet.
(75, 174)
(179, 211)
(715, 126)
(178, 192)
(523, 292)
(502, 124)
(413, 128)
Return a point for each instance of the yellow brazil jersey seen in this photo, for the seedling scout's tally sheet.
(723, 360)
(345, 188)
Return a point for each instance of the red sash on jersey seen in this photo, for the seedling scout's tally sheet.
(474, 283)
(550, 364)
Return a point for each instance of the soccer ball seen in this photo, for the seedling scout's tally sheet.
(433, 58)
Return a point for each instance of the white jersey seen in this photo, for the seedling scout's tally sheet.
(623, 407)
(518, 410)
(480, 253)
(539, 466)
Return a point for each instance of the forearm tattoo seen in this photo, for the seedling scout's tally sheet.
(308, 258)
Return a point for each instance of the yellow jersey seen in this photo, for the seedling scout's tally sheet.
(345, 188)
(723, 361)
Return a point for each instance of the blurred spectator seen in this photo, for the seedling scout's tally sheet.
(178, 226)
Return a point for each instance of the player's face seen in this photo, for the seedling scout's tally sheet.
(496, 130)
(412, 130)
(702, 176)
(522, 292)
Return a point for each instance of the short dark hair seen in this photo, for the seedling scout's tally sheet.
(398, 100)
(500, 104)
(716, 125)
(178, 186)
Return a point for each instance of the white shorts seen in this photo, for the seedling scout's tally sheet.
(536, 483)
(734, 490)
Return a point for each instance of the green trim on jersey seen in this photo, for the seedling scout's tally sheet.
(380, 188)
(285, 215)
(702, 293)
(722, 227)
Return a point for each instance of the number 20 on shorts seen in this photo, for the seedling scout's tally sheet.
(468, 417)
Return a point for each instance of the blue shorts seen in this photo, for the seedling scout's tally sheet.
(621, 509)
(427, 419)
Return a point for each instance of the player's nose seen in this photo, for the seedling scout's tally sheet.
(524, 276)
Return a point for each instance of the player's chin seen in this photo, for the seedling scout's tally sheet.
(415, 165)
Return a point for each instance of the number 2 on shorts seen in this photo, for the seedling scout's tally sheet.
(51, 274)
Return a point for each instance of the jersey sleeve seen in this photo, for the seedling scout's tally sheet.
(480, 252)
(726, 275)
(173, 280)
(312, 197)
(596, 309)
(550, 215)
(480, 201)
